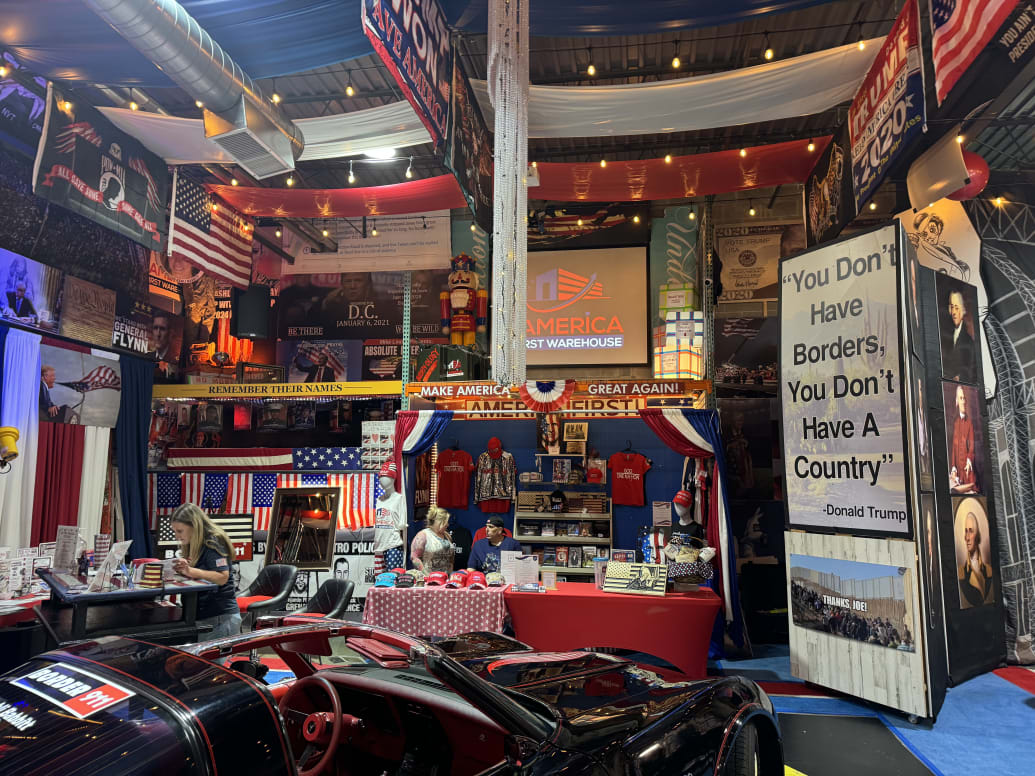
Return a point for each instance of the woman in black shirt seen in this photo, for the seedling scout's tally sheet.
(206, 554)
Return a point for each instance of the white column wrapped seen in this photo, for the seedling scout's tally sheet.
(508, 90)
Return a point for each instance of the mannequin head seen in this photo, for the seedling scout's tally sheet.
(387, 476)
(683, 503)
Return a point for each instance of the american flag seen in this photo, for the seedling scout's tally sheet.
(193, 488)
(263, 488)
(239, 493)
(739, 327)
(237, 349)
(962, 28)
(209, 235)
(214, 494)
(165, 495)
(327, 458)
(361, 493)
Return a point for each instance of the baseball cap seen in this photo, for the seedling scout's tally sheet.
(418, 576)
(683, 498)
(389, 469)
(436, 578)
(387, 579)
(398, 571)
(495, 520)
(404, 580)
(594, 475)
(476, 581)
(494, 579)
(457, 579)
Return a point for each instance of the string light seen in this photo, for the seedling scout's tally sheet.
(959, 139)
(591, 70)
(325, 233)
(409, 168)
(768, 53)
(199, 104)
(636, 219)
(352, 177)
(668, 158)
(373, 230)
(603, 162)
(873, 206)
(579, 222)
(743, 152)
(693, 215)
(233, 181)
(811, 146)
(277, 233)
(133, 105)
(275, 98)
(290, 181)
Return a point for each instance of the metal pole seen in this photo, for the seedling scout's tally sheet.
(407, 299)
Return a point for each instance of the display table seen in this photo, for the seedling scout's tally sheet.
(435, 611)
(676, 627)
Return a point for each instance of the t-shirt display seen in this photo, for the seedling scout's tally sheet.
(497, 473)
(454, 478)
(389, 521)
(627, 481)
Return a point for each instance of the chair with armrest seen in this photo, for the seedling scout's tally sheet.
(330, 601)
(268, 591)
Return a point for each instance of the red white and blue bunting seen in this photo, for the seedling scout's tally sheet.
(546, 395)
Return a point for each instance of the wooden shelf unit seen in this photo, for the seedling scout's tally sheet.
(523, 515)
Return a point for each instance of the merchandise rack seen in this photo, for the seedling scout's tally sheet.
(524, 515)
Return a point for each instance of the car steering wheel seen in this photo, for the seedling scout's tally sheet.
(320, 729)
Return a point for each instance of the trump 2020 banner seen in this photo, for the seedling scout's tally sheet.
(841, 387)
(888, 110)
(88, 166)
(412, 39)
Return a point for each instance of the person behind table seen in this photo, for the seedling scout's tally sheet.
(432, 548)
(485, 554)
(206, 556)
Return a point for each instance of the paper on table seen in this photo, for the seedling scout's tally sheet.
(662, 512)
(65, 551)
(519, 569)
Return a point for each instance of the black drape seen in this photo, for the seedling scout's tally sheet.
(131, 450)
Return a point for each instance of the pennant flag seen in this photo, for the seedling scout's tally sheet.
(546, 395)
(211, 236)
(962, 28)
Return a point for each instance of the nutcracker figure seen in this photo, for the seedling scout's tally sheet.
(464, 305)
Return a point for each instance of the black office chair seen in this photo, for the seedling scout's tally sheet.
(332, 599)
(269, 591)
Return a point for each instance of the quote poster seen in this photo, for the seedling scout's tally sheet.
(841, 387)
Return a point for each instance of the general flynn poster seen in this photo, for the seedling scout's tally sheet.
(841, 387)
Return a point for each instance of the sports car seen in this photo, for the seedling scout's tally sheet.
(475, 704)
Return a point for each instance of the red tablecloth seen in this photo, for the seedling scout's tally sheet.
(676, 627)
(435, 611)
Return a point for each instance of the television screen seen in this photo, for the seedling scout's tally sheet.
(587, 307)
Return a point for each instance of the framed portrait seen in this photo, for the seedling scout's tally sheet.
(974, 571)
(210, 417)
(964, 438)
(273, 416)
(561, 469)
(302, 526)
(575, 448)
(958, 330)
(303, 415)
(576, 432)
(923, 429)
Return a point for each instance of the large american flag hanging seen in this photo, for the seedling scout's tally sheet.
(210, 235)
(962, 28)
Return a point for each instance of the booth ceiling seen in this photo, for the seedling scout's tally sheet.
(271, 38)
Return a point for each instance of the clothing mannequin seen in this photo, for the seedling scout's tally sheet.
(389, 521)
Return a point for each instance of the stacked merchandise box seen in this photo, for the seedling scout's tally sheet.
(679, 346)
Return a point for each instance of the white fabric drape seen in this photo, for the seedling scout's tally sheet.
(799, 86)
(91, 488)
(182, 141)
(21, 390)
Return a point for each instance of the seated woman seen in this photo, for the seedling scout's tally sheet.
(207, 555)
(432, 548)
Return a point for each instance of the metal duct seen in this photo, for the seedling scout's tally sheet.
(167, 35)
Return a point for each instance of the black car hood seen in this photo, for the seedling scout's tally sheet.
(593, 692)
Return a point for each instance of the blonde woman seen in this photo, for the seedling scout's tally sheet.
(207, 553)
(432, 549)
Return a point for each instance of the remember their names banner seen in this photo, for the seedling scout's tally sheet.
(412, 39)
(888, 110)
(88, 166)
(841, 387)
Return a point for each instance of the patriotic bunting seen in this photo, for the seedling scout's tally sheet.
(546, 395)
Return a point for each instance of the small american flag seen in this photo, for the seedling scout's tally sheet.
(239, 529)
(739, 327)
(263, 488)
(962, 28)
(210, 235)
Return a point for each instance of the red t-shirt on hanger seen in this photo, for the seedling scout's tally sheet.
(454, 478)
(627, 478)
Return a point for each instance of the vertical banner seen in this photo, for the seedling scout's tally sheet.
(673, 254)
(829, 199)
(412, 39)
(888, 110)
(88, 166)
(751, 254)
(840, 382)
(469, 147)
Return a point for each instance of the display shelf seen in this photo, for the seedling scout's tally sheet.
(565, 539)
(588, 487)
(567, 569)
(562, 515)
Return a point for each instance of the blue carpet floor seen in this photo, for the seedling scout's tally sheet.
(985, 727)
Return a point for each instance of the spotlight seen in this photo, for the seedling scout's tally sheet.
(873, 206)
(959, 139)
(233, 181)
(743, 152)
(603, 162)
(636, 219)
(199, 104)
(352, 178)
(290, 181)
(275, 98)
(811, 146)
(668, 158)
(133, 105)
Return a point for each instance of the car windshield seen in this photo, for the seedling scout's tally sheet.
(51, 713)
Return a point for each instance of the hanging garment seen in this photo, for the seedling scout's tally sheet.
(628, 470)
(495, 477)
(454, 478)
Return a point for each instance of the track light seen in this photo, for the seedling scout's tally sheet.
(275, 98)
(668, 158)
(133, 105)
(409, 168)
(767, 49)
(352, 177)
(811, 146)
(591, 70)
(603, 162)
(743, 152)
(290, 181)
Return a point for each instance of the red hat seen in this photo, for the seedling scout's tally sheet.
(398, 571)
(436, 578)
(388, 469)
(476, 581)
(457, 579)
(684, 498)
(594, 475)
(495, 443)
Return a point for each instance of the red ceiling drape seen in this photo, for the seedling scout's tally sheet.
(59, 472)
